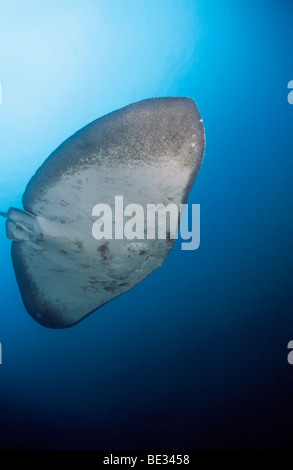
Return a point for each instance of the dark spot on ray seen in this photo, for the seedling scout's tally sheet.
(110, 288)
(104, 251)
(64, 203)
(78, 244)
(103, 248)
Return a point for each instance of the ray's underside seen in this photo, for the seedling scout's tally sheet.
(147, 152)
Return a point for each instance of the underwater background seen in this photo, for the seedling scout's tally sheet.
(195, 357)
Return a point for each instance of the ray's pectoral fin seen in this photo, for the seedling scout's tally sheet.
(20, 225)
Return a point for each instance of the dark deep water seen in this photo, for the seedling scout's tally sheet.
(195, 357)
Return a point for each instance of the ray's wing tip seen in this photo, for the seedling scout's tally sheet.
(52, 324)
(55, 321)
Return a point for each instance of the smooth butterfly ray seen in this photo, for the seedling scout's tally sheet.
(148, 152)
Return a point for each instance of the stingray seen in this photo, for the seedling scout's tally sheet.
(148, 152)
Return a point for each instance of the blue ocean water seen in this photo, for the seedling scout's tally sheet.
(195, 357)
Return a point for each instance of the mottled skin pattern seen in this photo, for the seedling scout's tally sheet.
(148, 152)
